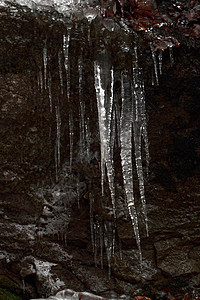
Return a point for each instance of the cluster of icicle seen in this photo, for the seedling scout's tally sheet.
(125, 126)
(131, 125)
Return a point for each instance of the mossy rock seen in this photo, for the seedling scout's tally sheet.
(9, 290)
(6, 295)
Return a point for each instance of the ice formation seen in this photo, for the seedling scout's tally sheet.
(103, 78)
(57, 146)
(121, 120)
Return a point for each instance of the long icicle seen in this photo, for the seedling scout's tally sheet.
(140, 130)
(105, 112)
(57, 150)
(154, 62)
(126, 122)
(60, 71)
(100, 93)
(71, 139)
(66, 41)
(110, 140)
(45, 64)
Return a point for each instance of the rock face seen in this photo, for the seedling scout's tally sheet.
(48, 207)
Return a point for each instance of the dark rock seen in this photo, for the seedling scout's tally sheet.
(46, 213)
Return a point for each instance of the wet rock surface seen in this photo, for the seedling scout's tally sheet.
(45, 237)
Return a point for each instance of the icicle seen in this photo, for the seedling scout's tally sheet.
(65, 239)
(117, 110)
(140, 130)
(95, 243)
(154, 62)
(60, 71)
(160, 61)
(87, 138)
(41, 80)
(45, 65)
(91, 198)
(120, 250)
(109, 240)
(112, 114)
(105, 114)
(152, 79)
(89, 38)
(38, 81)
(57, 152)
(146, 145)
(101, 243)
(80, 71)
(171, 56)
(100, 93)
(50, 94)
(66, 41)
(117, 117)
(82, 130)
(126, 153)
(78, 191)
(23, 286)
(71, 139)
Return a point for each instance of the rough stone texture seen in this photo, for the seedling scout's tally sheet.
(36, 227)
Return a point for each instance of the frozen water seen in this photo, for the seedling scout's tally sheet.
(154, 62)
(57, 147)
(50, 94)
(83, 8)
(160, 61)
(140, 131)
(66, 41)
(71, 139)
(60, 70)
(126, 122)
(45, 65)
(104, 81)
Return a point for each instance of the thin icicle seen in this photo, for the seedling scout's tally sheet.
(117, 117)
(66, 41)
(140, 131)
(154, 62)
(91, 198)
(23, 286)
(82, 131)
(78, 191)
(117, 109)
(101, 243)
(126, 153)
(109, 240)
(152, 79)
(50, 94)
(95, 242)
(71, 139)
(146, 145)
(171, 55)
(87, 139)
(45, 65)
(41, 80)
(110, 141)
(80, 71)
(139, 168)
(60, 71)
(160, 61)
(89, 38)
(57, 152)
(120, 250)
(112, 113)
